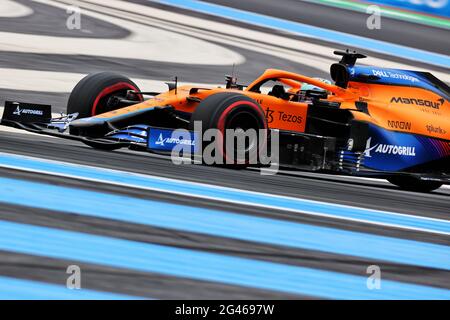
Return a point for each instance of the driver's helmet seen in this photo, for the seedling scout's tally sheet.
(306, 88)
(309, 87)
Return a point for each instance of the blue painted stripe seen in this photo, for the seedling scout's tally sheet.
(311, 31)
(226, 194)
(18, 289)
(197, 265)
(225, 224)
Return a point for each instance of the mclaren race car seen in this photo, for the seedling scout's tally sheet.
(375, 122)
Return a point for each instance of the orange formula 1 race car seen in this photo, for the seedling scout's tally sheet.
(377, 122)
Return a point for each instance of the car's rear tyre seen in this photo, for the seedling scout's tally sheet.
(414, 184)
(227, 110)
(91, 94)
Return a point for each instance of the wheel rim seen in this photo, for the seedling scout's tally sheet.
(118, 89)
(241, 106)
(241, 122)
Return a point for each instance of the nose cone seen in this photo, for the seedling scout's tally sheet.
(90, 127)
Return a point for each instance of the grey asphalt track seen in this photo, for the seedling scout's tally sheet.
(361, 193)
(48, 20)
(370, 196)
(392, 30)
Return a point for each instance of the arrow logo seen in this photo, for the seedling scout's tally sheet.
(160, 141)
(369, 148)
(17, 112)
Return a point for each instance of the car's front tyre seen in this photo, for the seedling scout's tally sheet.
(236, 112)
(90, 96)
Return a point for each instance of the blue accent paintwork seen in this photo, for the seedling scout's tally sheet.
(141, 127)
(440, 7)
(138, 131)
(168, 139)
(127, 179)
(396, 151)
(199, 265)
(129, 134)
(223, 224)
(311, 31)
(19, 289)
(128, 137)
(396, 77)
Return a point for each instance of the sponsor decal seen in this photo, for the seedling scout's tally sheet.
(394, 75)
(19, 112)
(436, 130)
(402, 125)
(26, 112)
(269, 115)
(161, 141)
(181, 141)
(388, 149)
(212, 146)
(283, 116)
(419, 102)
(286, 117)
(397, 151)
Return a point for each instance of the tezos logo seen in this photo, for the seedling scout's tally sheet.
(19, 112)
(388, 149)
(419, 102)
(282, 116)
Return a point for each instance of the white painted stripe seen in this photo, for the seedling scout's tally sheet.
(144, 43)
(273, 42)
(51, 81)
(12, 9)
(247, 39)
(61, 82)
(311, 31)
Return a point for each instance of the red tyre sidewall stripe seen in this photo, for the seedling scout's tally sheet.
(223, 117)
(108, 90)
